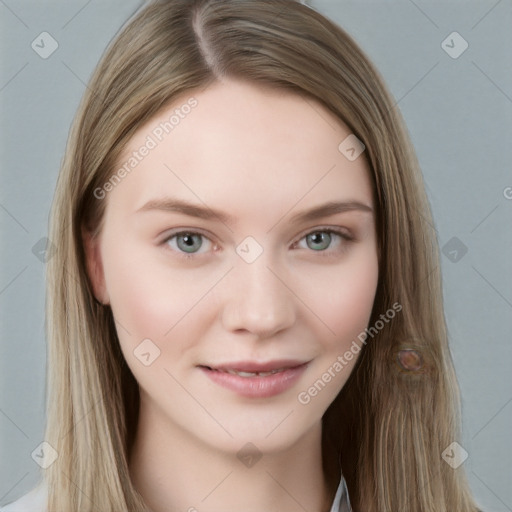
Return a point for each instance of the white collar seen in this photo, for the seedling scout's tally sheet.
(341, 501)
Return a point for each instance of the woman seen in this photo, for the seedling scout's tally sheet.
(244, 304)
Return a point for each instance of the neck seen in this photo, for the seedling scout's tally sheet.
(174, 470)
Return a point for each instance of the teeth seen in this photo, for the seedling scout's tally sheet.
(243, 374)
(253, 374)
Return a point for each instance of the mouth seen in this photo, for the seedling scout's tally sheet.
(256, 380)
(242, 373)
(254, 368)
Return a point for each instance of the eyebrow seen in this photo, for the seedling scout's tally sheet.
(170, 204)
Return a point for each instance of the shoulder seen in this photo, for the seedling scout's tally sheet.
(33, 501)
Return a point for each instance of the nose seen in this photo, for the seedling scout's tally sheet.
(257, 300)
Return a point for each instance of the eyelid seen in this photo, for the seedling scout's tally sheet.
(339, 230)
(179, 231)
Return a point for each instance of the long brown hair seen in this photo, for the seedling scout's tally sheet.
(388, 425)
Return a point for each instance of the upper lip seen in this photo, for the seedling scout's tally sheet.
(254, 366)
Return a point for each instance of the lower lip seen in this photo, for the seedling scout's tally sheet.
(257, 387)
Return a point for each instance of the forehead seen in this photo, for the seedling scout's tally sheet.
(242, 145)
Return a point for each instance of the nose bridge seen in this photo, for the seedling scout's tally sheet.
(257, 300)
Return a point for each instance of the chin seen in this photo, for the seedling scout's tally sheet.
(267, 434)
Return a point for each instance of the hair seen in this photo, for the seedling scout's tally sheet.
(388, 426)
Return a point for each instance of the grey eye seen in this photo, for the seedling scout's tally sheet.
(189, 242)
(319, 240)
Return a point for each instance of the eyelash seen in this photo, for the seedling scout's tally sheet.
(325, 253)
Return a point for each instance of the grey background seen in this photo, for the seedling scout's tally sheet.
(458, 112)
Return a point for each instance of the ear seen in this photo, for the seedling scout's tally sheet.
(94, 266)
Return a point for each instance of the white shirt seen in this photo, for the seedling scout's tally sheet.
(35, 500)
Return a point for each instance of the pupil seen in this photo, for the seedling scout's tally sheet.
(189, 242)
(320, 238)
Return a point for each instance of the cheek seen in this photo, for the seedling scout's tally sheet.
(139, 301)
(342, 297)
(351, 306)
(138, 291)
(153, 301)
(344, 303)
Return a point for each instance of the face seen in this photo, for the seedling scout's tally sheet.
(239, 257)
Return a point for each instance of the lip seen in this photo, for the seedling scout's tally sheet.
(258, 386)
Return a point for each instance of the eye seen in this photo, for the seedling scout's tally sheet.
(322, 239)
(187, 243)
(190, 243)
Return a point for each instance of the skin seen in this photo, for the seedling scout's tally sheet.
(262, 156)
